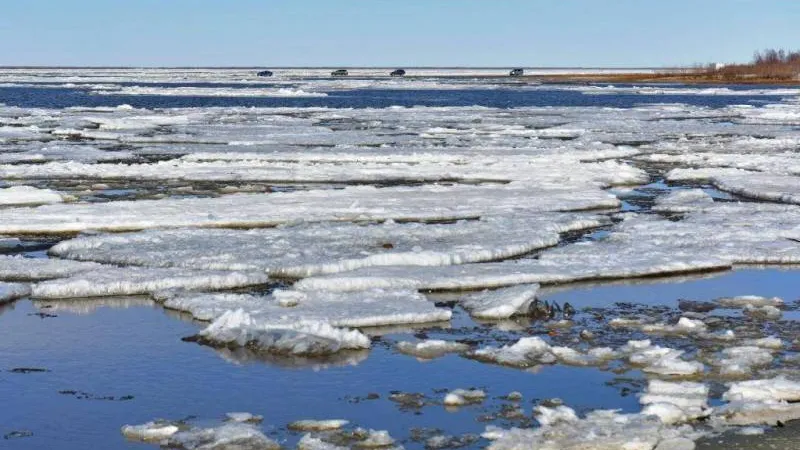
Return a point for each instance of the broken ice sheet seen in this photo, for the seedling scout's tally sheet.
(310, 249)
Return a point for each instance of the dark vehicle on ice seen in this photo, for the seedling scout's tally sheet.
(339, 73)
(398, 73)
(516, 73)
(265, 73)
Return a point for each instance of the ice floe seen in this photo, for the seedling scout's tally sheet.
(431, 348)
(716, 237)
(427, 203)
(19, 268)
(110, 280)
(238, 328)
(28, 195)
(501, 303)
(311, 249)
(349, 309)
(599, 430)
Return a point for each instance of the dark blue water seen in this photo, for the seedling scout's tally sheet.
(368, 98)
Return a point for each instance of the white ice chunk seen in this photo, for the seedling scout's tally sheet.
(150, 431)
(317, 425)
(742, 360)
(431, 348)
(552, 416)
(237, 328)
(28, 195)
(500, 303)
(461, 397)
(675, 402)
(230, 435)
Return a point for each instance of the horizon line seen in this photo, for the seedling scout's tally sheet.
(342, 67)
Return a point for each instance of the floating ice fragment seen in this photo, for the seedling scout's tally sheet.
(150, 431)
(317, 425)
(500, 303)
(311, 338)
(461, 397)
(675, 402)
(431, 348)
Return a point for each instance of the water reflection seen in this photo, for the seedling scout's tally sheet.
(84, 306)
(243, 355)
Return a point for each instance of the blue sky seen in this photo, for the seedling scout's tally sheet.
(609, 33)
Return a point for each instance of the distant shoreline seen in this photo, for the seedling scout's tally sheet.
(681, 78)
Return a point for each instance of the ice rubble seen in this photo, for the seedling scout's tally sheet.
(28, 195)
(19, 268)
(363, 203)
(675, 402)
(109, 280)
(226, 436)
(532, 351)
(309, 442)
(599, 430)
(715, 237)
(13, 291)
(501, 303)
(742, 360)
(743, 301)
(760, 402)
(311, 249)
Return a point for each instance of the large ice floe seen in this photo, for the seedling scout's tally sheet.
(301, 323)
(428, 203)
(716, 236)
(304, 250)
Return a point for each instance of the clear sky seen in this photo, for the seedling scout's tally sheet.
(608, 33)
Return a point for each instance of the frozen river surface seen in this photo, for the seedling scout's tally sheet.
(208, 259)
